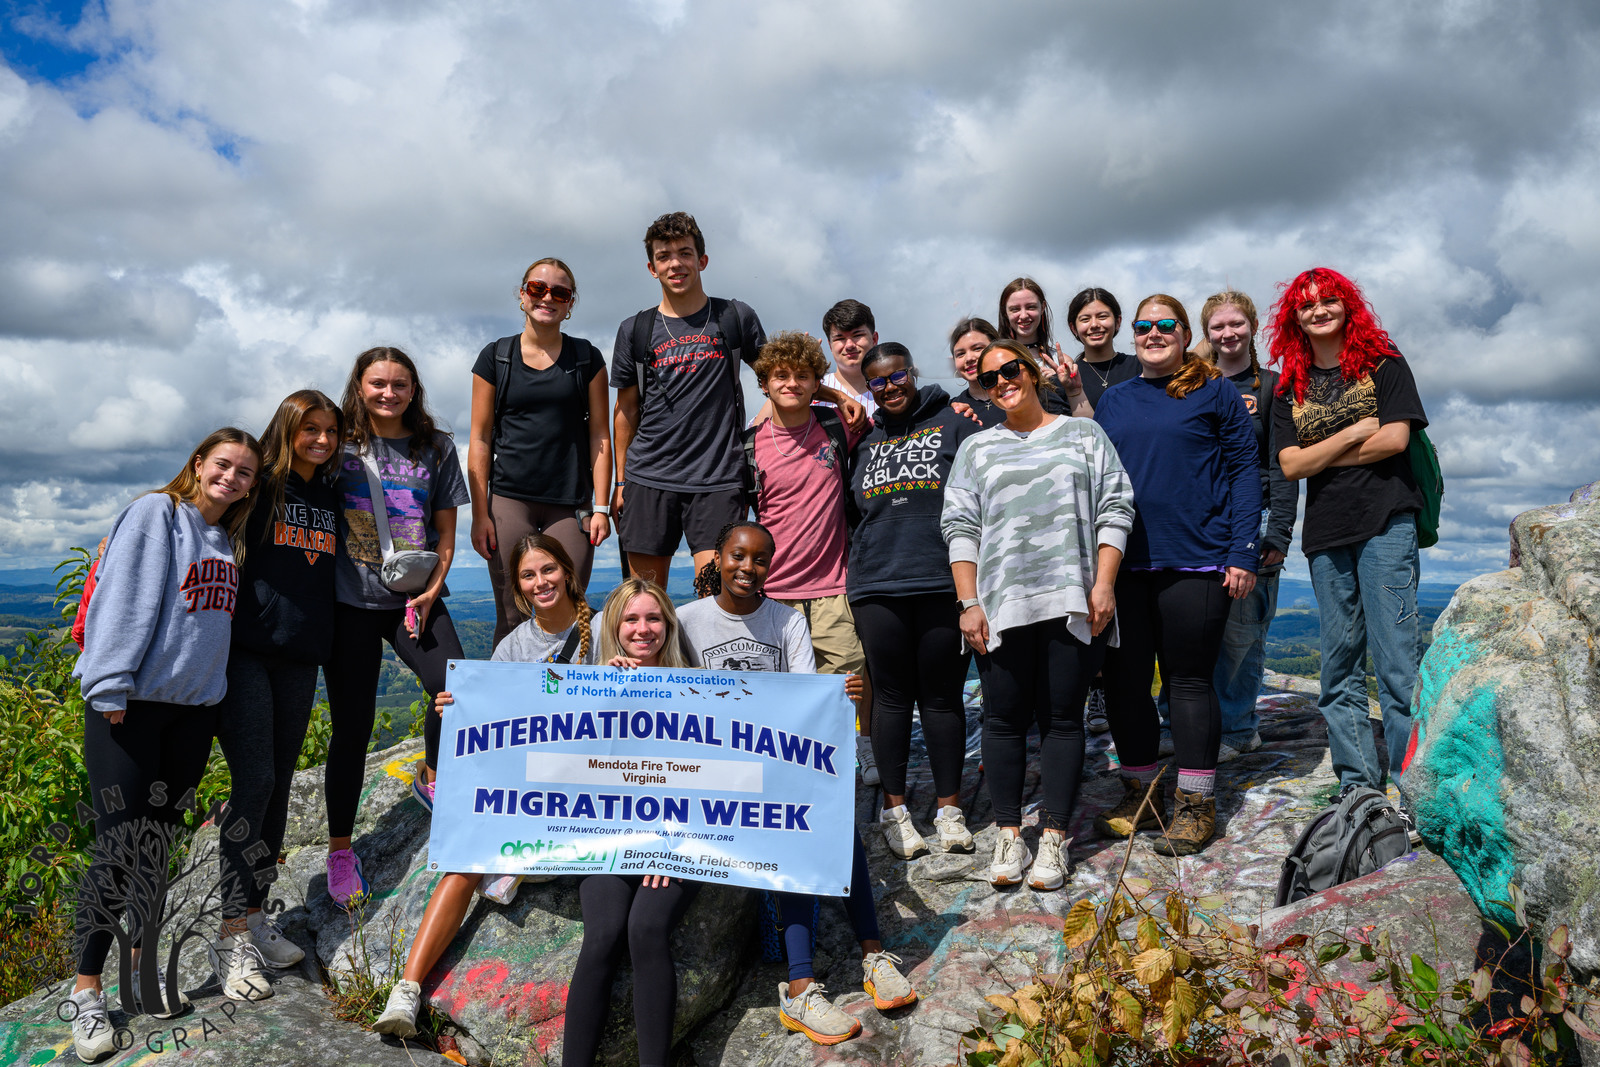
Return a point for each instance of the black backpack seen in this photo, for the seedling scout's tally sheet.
(1358, 834)
(504, 349)
(833, 426)
(729, 327)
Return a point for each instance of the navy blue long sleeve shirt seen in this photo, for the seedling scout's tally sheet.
(1195, 467)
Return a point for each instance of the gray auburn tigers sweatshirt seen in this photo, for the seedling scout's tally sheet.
(161, 616)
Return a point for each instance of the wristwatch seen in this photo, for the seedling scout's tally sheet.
(969, 602)
(600, 509)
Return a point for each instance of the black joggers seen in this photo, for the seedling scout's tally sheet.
(352, 677)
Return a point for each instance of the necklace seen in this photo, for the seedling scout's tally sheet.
(1104, 379)
(668, 329)
(773, 433)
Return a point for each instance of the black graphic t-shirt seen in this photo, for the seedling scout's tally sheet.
(688, 436)
(1348, 505)
(541, 447)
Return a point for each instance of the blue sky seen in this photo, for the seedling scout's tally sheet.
(208, 205)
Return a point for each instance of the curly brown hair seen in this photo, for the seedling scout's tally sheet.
(793, 349)
(673, 226)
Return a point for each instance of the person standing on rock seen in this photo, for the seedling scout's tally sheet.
(734, 626)
(398, 467)
(1025, 318)
(1185, 435)
(968, 339)
(902, 594)
(1228, 321)
(1036, 513)
(1349, 407)
(540, 455)
(282, 632)
(153, 669)
(1095, 317)
(679, 406)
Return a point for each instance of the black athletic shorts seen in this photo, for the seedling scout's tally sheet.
(653, 521)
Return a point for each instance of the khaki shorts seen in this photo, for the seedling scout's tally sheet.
(833, 634)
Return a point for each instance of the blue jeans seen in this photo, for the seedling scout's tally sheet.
(1367, 598)
(1244, 654)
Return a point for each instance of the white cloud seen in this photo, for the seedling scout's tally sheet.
(234, 200)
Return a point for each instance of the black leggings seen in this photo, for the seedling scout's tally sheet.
(352, 677)
(915, 656)
(617, 911)
(1178, 616)
(139, 770)
(261, 725)
(1040, 675)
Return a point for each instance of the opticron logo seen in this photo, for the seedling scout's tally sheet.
(552, 681)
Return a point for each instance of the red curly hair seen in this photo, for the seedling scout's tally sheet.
(1365, 340)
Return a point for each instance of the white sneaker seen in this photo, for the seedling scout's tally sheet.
(866, 761)
(276, 950)
(1228, 752)
(93, 1036)
(400, 1013)
(500, 888)
(1049, 871)
(1011, 855)
(953, 833)
(881, 978)
(237, 964)
(904, 841)
(812, 1014)
(164, 1009)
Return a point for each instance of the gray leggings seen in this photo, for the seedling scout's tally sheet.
(514, 520)
(261, 725)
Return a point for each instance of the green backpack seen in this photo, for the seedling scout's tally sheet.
(1430, 479)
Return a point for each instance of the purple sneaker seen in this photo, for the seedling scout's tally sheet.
(346, 884)
(423, 793)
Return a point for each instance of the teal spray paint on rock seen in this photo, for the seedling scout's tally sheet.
(1461, 815)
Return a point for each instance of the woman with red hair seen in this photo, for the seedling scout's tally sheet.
(1352, 405)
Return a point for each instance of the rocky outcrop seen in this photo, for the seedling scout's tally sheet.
(1505, 774)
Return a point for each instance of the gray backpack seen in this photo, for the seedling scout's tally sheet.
(1360, 833)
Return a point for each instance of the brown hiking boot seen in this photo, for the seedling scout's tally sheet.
(1194, 823)
(1118, 821)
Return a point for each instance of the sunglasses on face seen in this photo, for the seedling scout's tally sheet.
(882, 382)
(539, 290)
(1008, 370)
(1144, 326)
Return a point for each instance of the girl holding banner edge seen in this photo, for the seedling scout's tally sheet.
(557, 631)
(733, 609)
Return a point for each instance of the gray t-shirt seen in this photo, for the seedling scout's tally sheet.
(413, 489)
(529, 643)
(774, 637)
(688, 436)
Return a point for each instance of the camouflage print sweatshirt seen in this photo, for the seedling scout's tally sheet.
(1031, 511)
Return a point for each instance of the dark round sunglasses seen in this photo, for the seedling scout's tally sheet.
(1008, 370)
(883, 381)
(1144, 326)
